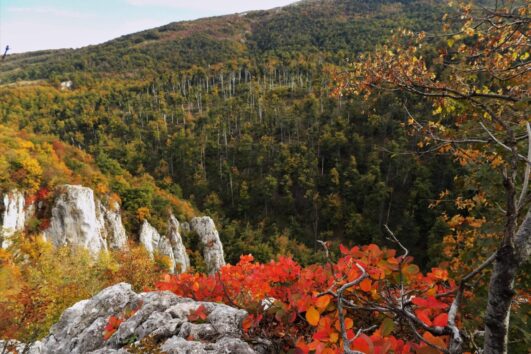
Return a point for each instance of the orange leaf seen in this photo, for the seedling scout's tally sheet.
(438, 341)
(322, 302)
(301, 347)
(247, 322)
(363, 344)
(312, 316)
(366, 285)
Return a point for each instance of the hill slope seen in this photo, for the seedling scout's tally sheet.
(336, 28)
(236, 111)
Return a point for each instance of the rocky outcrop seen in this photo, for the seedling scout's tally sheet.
(75, 221)
(182, 262)
(170, 245)
(79, 219)
(153, 242)
(210, 241)
(13, 215)
(161, 316)
(113, 228)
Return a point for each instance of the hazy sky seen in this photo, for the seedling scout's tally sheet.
(27, 25)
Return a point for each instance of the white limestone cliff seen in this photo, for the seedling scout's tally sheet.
(76, 221)
(210, 241)
(149, 237)
(169, 245)
(80, 219)
(13, 216)
(113, 227)
(179, 251)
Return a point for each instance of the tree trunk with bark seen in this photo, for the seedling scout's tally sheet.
(509, 259)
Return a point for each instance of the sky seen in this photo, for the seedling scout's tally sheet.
(28, 25)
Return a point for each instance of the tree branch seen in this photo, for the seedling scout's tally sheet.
(527, 171)
(346, 341)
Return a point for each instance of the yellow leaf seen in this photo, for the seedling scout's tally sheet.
(312, 316)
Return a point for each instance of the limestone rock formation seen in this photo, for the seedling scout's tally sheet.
(13, 216)
(113, 227)
(150, 238)
(79, 219)
(210, 241)
(162, 316)
(169, 245)
(179, 251)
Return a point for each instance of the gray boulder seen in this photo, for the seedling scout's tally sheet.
(162, 317)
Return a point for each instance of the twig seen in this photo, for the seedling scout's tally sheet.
(402, 259)
(232, 303)
(493, 137)
(421, 338)
(322, 243)
(346, 341)
(527, 171)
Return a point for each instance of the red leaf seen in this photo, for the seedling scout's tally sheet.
(441, 320)
(343, 249)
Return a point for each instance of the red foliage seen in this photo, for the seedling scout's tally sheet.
(112, 326)
(40, 195)
(59, 148)
(299, 318)
(114, 322)
(198, 315)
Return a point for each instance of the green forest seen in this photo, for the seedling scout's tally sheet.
(252, 135)
(268, 123)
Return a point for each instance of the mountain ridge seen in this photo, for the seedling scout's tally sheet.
(304, 26)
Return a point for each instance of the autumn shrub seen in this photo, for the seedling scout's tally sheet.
(302, 309)
(38, 282)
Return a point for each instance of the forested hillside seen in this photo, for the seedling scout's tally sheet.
(318, 136)
(329, 30)
(235, 113)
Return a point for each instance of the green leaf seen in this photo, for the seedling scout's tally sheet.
(387, 327)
